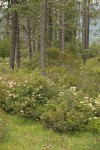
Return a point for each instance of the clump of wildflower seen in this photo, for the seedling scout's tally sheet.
(82, 102)
(22, 111)
(11, 84)
(86, 98)
(73, 89)
(97, 102)
(61, 94)
(93, 108)
(12, 95)
(95, 117)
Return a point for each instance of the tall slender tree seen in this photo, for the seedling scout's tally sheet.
(85, 33)
(15, 47)
(43, 36)
(17, 43)
(62, 30)
(29, 38)
(85, 30)
(49, 40)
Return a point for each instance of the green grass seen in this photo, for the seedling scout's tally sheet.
(26, 135)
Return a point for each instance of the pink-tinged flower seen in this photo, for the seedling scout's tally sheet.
(11, 84)
(1, 78)
(11, 95)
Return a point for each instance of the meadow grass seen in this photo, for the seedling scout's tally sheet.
(28, 135)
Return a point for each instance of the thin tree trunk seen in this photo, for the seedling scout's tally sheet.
(7, 20)
(29, 39)
(13, 42)
(62, 31)
(79, 21)
(49, 28)
(33, 41)
(85, 32)
(43, 36)
(17, 44)
(88, 22)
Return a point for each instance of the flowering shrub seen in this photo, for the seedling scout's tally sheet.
(25, 95)
(71, 111)
(58, 102)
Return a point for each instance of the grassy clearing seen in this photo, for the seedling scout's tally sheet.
(27, 135)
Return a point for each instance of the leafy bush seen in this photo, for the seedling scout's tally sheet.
(66, 100)
(94, 125)
(25, 95)
(89, 76)
(4, 48)
(70, 112)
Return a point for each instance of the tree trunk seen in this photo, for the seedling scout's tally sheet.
(17, 43)
(13, 41)
(85, 32)
(15, 47)
(29, 39)
(49, 42)
(8, 20)
(43, 36)
(62, 31)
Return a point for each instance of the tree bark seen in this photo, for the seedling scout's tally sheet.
(17, 43)
(15, 47)
(13, 41)
(62, 31)
(49, 27)
(85, 30)
(29, 39)
(85, 34)
(43, 36)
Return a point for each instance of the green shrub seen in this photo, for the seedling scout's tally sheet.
(4, 48)
(25, 95)
(70, 112)
(63, 101)
(94, 125)
(31, 65)
(89, 76)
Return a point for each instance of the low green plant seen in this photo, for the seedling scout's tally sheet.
(4, 48)
(89, 77)
(3, 126)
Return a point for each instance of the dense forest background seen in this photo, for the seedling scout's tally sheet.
(50, 63)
